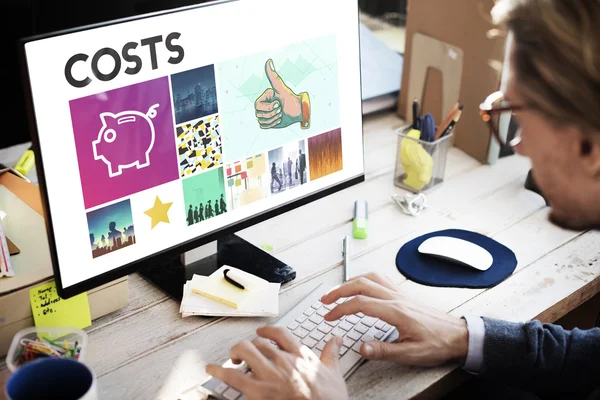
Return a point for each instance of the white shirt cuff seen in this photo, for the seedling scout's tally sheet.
(476, 329)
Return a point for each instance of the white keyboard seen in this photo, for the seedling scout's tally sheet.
(305, 321)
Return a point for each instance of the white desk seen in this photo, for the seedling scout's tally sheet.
(148, 351)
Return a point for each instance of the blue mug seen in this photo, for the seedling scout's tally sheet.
(52, 378)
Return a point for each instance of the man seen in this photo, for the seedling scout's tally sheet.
(275, 178)
(289, 169)
(301, 166)
(554, 92)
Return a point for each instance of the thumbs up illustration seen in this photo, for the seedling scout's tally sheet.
(279, 106)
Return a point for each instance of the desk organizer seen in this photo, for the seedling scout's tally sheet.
(420, 165)
(38, 342)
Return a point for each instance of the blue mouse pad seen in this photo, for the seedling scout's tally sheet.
(431, 271)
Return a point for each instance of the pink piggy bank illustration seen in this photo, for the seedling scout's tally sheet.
(125, 140)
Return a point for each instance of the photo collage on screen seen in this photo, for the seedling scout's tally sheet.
(164, 155)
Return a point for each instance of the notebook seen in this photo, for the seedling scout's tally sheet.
(214, 296)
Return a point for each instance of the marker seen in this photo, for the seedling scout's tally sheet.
(26, 162)
(232, 281)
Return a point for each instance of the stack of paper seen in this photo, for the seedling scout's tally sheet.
(214, 296)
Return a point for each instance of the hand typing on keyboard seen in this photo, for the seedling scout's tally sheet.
(286, 370)
(299, 360)
(427, 337)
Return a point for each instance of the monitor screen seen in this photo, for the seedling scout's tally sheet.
(158, 133)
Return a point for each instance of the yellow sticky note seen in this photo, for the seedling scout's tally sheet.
(50, 310)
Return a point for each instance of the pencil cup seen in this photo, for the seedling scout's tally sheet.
(420, 165)
(52, 378)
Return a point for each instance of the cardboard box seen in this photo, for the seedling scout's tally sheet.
(463, 25)
(25, 225)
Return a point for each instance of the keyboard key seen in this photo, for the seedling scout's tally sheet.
(317, 352)
(379, 335)
(354, 335)
(309, 326)
(359, 315)
(231, 394)
(337, 332)
(317, 305)
(321, 345)
(315, 319)
(333, 323)
(330, 306)
(221, 387)
(357, 346)
(368, 321)
(293, 326)
(301, 318)
(348, 342)
(340, 300)
(318, 335)
(309, 342)
(361, 328)
(322, 311)
(327, 337)
(367, 338)
(353, 319)
(309, 312)
(386, 327)
(323, 327)
(301, 332)
(345, 326)
(379, 324)
(348, 360)
(343, 351)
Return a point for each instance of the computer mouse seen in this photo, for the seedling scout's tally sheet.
(457, 250)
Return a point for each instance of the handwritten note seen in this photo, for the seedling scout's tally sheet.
(50, 310)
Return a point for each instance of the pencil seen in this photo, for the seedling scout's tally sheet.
(454, 121)
(446, 121)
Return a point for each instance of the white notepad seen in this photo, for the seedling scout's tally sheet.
(261, 300)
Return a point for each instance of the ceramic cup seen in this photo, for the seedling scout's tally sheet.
(52, 378)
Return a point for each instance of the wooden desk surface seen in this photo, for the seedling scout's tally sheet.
(148, 351)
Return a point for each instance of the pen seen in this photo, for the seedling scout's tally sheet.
(234, 283)
(345, 253)
(415, 114)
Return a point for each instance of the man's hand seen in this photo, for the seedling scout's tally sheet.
(291, 371)
(279, 106)
(427, 337)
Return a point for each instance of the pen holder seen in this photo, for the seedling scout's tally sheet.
(420, 165)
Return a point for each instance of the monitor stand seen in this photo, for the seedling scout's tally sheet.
(230, 250)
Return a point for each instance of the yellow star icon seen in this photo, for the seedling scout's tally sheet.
(158, 213)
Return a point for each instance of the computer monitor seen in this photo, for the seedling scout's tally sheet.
(161, 133)
(36, 17)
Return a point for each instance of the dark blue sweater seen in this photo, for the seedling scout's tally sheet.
(542, 358)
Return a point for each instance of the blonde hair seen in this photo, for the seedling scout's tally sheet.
(556, 57)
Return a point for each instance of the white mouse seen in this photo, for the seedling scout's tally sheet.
(457, 250)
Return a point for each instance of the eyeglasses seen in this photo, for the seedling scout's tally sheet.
(495, 110)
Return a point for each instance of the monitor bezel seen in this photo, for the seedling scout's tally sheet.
(174, 251)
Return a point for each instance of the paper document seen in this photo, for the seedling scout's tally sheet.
(261, 300)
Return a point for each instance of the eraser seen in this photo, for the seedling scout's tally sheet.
(361, 221)
(5, 266)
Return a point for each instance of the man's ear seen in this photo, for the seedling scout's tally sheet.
(590, 154)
